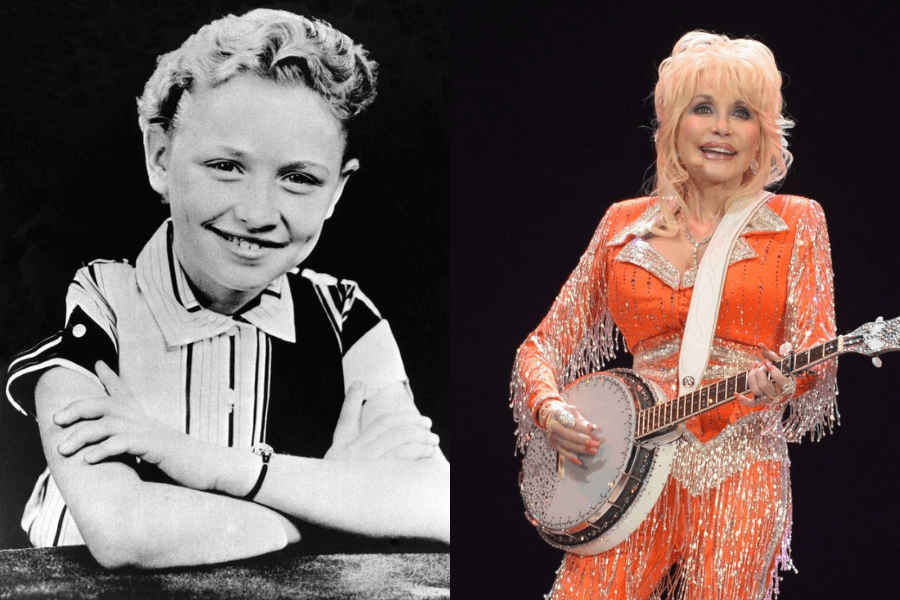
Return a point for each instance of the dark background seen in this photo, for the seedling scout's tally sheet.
(549, 117)
(549, 120)
(73, 186)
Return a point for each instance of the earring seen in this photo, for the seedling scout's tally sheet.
(754, 166)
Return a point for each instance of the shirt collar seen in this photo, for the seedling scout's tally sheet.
(182, 319)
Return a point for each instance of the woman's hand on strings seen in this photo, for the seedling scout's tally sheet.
(581, 437)
(767, 384)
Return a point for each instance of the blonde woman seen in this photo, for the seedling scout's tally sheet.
(722, 525)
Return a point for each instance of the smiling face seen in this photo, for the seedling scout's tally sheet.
(718, 138)
(251, 172)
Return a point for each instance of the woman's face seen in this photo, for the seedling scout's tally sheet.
(718, 138)
(252, 171)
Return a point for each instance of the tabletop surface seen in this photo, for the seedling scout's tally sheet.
(72, 573)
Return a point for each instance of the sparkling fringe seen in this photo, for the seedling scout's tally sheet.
(736, 485)
(579, 314)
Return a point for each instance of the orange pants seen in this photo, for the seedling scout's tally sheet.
(722, 544)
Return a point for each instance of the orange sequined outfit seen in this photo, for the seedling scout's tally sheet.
(723, 522)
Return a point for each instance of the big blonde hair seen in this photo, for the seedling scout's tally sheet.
(744, 67)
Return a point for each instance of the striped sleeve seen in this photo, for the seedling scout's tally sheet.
(370, 352)
(89, 336)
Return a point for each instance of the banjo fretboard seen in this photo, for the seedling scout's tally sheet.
(662, 416)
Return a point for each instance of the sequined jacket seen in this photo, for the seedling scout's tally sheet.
(778, 289)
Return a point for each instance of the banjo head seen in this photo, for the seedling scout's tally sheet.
(562, 503)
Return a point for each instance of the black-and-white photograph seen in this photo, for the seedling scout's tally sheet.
(574, 120)
(225, 298)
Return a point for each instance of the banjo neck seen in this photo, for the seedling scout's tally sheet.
(657, 419)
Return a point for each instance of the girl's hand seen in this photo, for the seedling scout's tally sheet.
(581, 438)
(400, 435)
(109, 426)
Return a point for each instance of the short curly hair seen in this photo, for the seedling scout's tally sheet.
(276, 45)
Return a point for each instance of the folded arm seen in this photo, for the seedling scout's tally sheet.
(127, 521)
(361, 488)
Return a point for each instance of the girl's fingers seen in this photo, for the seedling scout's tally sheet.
(82, 410)
(114, 446)
(413, 451)
(389, 425)
(85, 434)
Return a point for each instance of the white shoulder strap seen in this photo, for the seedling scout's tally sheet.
(704, 310)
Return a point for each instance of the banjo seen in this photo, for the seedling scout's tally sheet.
(590, 509)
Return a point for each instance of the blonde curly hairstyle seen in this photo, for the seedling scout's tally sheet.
(746, 68)
(274, 44)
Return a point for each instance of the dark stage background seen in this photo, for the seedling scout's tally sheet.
(550, 115)
(73, 186)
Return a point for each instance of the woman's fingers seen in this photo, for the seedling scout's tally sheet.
(563, 438)
(748, 400)
(765, 383)
(777, 377)
(582, 425)
(577, 448)
(570, 456)
(572, 435)
(767, 353)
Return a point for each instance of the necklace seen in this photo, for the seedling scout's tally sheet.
(696, 244)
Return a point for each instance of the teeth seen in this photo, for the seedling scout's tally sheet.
(718, 150)
(242, 243)
(246, 245)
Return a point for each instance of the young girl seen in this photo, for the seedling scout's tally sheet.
(205, 403)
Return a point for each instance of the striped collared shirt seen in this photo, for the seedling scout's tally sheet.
(204, 373)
